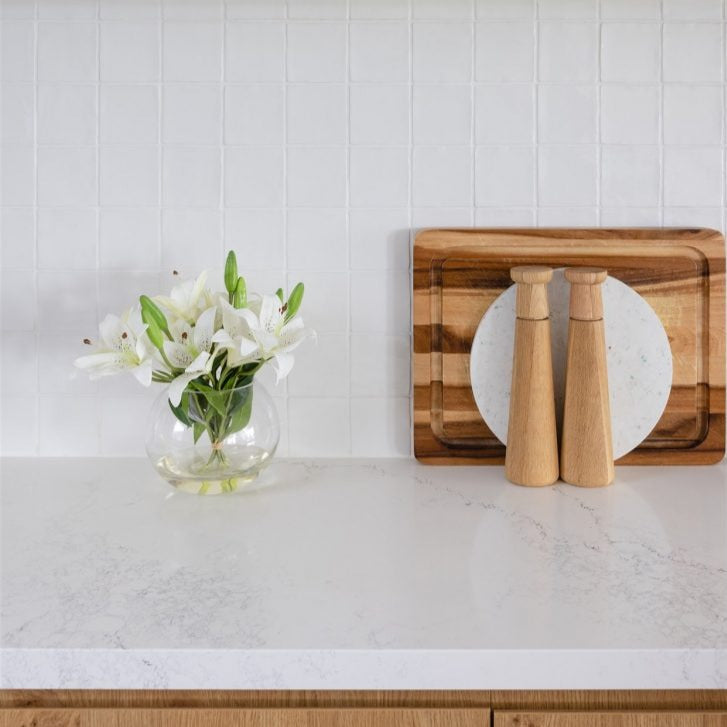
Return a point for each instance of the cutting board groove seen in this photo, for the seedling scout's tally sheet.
(458, 273)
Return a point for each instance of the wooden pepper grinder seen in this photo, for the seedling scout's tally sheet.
(531, 457)
(586, 449)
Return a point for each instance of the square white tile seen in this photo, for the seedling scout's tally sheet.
(379, 176)
(319, 427)
(377, 9)
(129, 175)
(192, 9)
(17, 231)
(630, 9)
(567, 175)
(442, 52)
(505, 217)
(66, 114)
(442, 176)
(630, 114)
(66, 10)
(316, 9)
(694, 217)
(379, 239)
(129, 51)
(567, 113)
(504, 114)
(18, 363)
(321, 367)
(129, 114)
(130, 10)
(693, 52)
(17, 50)
(254, 114)
(17, 300)
(120, 433)
(567, 216)
(504, 52)
(442, 114)
(316, 177)
(17, 113)
(191, 176)
(380, 303)
(504, 176)
(435, 9)
(568, 9)
(631, 52)
(505, 9)
(67, 301)
(19, 430)
(255, 52)
(325, 306)
(129, 239)
(192, 51)
(316, 114)
(67, 238)
(254, 9)
(191, 114)
(380, 427)
(379, 114)
(66, 51)
(257, 236)
(316, 52)
(693, 10)
(69, 425)
(317, 239)
(693, 176)
(253, 176)
(56, 355)
(693, 114)
(379, 52)
(630, 216)
(66, 176)
(17, 175)
(630, 175)
(191, 240)
(568, 51)
(380, 365)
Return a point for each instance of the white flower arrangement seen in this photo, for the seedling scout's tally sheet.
(208, 343)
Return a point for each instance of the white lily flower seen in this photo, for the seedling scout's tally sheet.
(188, 299)
(191, 351)
(263, 335)
(123, 347)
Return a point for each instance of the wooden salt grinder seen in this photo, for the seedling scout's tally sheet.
(531, 457)
(586, 449)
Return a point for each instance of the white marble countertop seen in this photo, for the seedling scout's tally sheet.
(361, 574)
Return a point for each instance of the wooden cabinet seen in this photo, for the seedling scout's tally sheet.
(610, 719)
(245, 717)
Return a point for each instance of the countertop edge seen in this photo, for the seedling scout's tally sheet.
(363, 669)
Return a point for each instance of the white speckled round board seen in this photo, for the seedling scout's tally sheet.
(638, 356)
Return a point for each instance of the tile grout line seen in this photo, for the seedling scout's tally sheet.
(410, 217)
(599, 145)
(660, 128)
(473, 118)
(223, 109)
(97, 400)
(536, 111)
(286, 12)
(349, 276)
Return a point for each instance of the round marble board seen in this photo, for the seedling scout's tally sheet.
(638, 358)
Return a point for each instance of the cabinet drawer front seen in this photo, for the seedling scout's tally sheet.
(244, 718)
(610, 719)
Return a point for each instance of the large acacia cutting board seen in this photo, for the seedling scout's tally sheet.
(459, 273)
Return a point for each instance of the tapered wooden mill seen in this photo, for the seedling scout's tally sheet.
(586, 449)
(531, 456)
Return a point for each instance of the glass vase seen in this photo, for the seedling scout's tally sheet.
(216, 441)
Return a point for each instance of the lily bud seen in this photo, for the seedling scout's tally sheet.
(154, 333)
(294, 301)
(280, 294)
(239, 296)
(231, 272)
(150, 311)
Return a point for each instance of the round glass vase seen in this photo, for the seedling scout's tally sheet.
(215, 441)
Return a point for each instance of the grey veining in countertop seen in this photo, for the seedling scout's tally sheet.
(379, 556)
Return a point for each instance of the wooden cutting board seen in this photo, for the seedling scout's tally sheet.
(459, 273)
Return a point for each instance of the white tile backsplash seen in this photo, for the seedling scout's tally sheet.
(315, 137)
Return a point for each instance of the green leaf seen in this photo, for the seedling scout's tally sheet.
(231, 272)
(218, 400)
(241, 412)
(182, 411)
(280, 294)
(198, 429)
(294, 301)
(239, 297)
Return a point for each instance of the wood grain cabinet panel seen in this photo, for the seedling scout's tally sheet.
(610, 719)
(244, 718)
